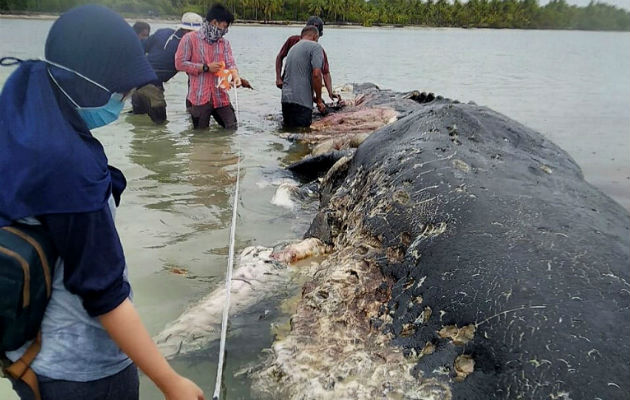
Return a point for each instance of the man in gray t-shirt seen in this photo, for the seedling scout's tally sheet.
(303, 77)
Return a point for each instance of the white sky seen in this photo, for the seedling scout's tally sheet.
(581, 3)
(625, 4)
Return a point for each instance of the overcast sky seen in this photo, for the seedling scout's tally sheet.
(619, 3)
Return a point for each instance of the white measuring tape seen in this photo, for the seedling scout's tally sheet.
(228, 287)
(238, 116)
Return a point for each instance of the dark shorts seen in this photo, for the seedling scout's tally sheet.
(201, 115)
(149, 99)
(295, 115)
(121, 386)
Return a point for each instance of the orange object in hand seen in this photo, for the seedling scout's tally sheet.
(224, 77)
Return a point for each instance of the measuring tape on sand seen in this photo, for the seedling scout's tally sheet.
(228, 287)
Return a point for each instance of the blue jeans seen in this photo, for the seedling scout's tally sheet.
(121, 386)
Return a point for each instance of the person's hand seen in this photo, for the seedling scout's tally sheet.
(321, 107)
(279, 83)
(215, 67)
(181, 388)
(236, 78)
(246, 83)
(340, 101)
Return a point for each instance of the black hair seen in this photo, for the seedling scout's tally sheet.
(220, 13)
(310, 30)
(316, 22)
(140, 26)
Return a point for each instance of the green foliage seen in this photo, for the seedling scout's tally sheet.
(523, 14)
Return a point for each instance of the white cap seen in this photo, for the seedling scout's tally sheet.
(190, 21)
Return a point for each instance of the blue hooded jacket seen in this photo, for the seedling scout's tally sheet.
(49, 161)
(51, 167)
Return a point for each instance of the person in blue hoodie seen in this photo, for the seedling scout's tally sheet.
(54, 172)
(160, 49)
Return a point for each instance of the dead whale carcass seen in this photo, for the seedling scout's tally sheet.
(362, 119)
(261, 271)
(508, 272)
(335, 349)
(201, 323)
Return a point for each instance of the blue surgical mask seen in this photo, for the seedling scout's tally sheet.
(94, 117)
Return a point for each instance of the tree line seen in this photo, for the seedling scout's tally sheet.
(520, 14)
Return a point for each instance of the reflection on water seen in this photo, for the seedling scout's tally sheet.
(210, 168)
(203, 160)
(157, 149)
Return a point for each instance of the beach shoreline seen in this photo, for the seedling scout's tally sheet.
(176, 20)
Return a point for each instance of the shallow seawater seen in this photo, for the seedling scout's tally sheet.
(175, 216)
(179, 217)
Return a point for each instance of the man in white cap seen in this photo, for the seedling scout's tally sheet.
(160, 49)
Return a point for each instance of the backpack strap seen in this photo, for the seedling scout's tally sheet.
(40, 253)
(26, 291)
(21, 368)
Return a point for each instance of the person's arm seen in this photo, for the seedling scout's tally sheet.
(93, 257)
(317, 62)
(126, 329)
(183, 57)
(279, 59)
(94, 266)
(328, 84)
(317, 89)
(328, 77)
(284, 50)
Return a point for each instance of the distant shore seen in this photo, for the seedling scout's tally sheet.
(175, 20)
(556, 15)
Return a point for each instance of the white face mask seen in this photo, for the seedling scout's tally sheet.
(93, 117)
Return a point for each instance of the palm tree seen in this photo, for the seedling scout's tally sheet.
(316, 7)
(270, 7)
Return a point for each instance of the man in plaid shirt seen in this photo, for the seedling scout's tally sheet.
(201, 55)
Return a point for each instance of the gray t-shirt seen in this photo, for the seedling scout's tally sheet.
(75, 346)
(302, 59)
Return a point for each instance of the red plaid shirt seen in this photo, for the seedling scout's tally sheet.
(192, 53)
